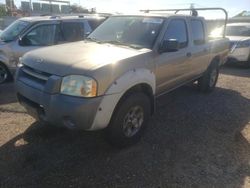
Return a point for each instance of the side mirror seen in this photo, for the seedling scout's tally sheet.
(20, 41)
(171, 45)
(23, 41)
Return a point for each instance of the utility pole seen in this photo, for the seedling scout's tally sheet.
(30, 7)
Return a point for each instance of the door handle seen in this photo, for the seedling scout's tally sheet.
(189, 54)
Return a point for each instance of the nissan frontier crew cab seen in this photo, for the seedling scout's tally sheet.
(111, 80)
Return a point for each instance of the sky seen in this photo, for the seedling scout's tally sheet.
(232, 6)
(128, 6)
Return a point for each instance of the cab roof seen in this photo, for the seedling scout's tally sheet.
(68, 17)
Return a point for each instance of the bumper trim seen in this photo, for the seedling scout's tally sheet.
(56, 108)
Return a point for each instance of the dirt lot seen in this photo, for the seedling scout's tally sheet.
(194, 140)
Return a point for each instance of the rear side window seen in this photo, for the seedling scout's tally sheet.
(198, 32)
(73, 31)
(95, 23)
(177, 29)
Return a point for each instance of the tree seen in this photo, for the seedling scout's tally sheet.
(78, 9)
(3, 11)
(243, 13)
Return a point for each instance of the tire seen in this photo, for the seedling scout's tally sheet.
(129, 120)
(4, 74)
(209, 79)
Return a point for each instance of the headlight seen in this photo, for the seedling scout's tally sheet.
(80, 86)
(243, 44)
(20, 63)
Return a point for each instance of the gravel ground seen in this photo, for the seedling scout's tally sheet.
(193, 140)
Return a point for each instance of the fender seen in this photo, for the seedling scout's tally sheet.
(4, 59)
(116, 91)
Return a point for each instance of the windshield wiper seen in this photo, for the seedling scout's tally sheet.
(116, 42)
(93, 40)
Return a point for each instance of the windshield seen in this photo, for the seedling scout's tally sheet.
(238, 31)
(13, 30)
(132, 31)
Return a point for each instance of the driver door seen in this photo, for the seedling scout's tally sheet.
(172, 67)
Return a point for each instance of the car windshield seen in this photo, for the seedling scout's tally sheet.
(13, 30)
(133, 31)
(238, 31)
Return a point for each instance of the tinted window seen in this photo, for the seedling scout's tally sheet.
(177, 29)
(73, 31)
(198, 32)
(238, 31)
(95, 23)
(43, 35)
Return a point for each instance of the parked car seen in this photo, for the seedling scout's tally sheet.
(239, 35)
(30, 33)
(113, 78)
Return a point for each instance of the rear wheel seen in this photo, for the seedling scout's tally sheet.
(129, 120)
(4, 74)
(208, 81)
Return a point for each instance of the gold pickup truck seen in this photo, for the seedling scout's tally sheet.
(112, 79)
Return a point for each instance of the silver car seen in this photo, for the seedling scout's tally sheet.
(31, 33)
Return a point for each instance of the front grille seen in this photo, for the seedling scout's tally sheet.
(35, 75)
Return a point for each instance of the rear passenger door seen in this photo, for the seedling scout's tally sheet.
(72, 31)
(199, 47)
(172, 67)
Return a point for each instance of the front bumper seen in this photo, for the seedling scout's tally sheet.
(239, 54)
(58, 109)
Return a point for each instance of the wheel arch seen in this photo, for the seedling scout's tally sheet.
(216, 60)
(140, 80)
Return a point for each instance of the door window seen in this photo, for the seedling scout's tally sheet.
(73, 31)
(198, 32)
(43, 35)
(177, 29)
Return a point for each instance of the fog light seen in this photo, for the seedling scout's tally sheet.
(68, 122)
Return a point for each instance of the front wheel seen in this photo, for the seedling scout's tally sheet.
(208, 81)
(129, 120)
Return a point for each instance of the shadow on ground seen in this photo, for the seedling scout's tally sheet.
(7, 92)
(236, 70)
(194, 140)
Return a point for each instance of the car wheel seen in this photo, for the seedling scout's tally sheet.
(4, 73)
(129, 120)
(209, 79)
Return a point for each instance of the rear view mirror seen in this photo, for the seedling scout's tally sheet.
(171, 45)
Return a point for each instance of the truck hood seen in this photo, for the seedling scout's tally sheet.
(72, 58)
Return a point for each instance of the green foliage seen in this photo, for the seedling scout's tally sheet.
(3, 11)
(243, 14)
(78, 9)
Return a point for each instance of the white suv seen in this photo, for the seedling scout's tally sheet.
(239, 35)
